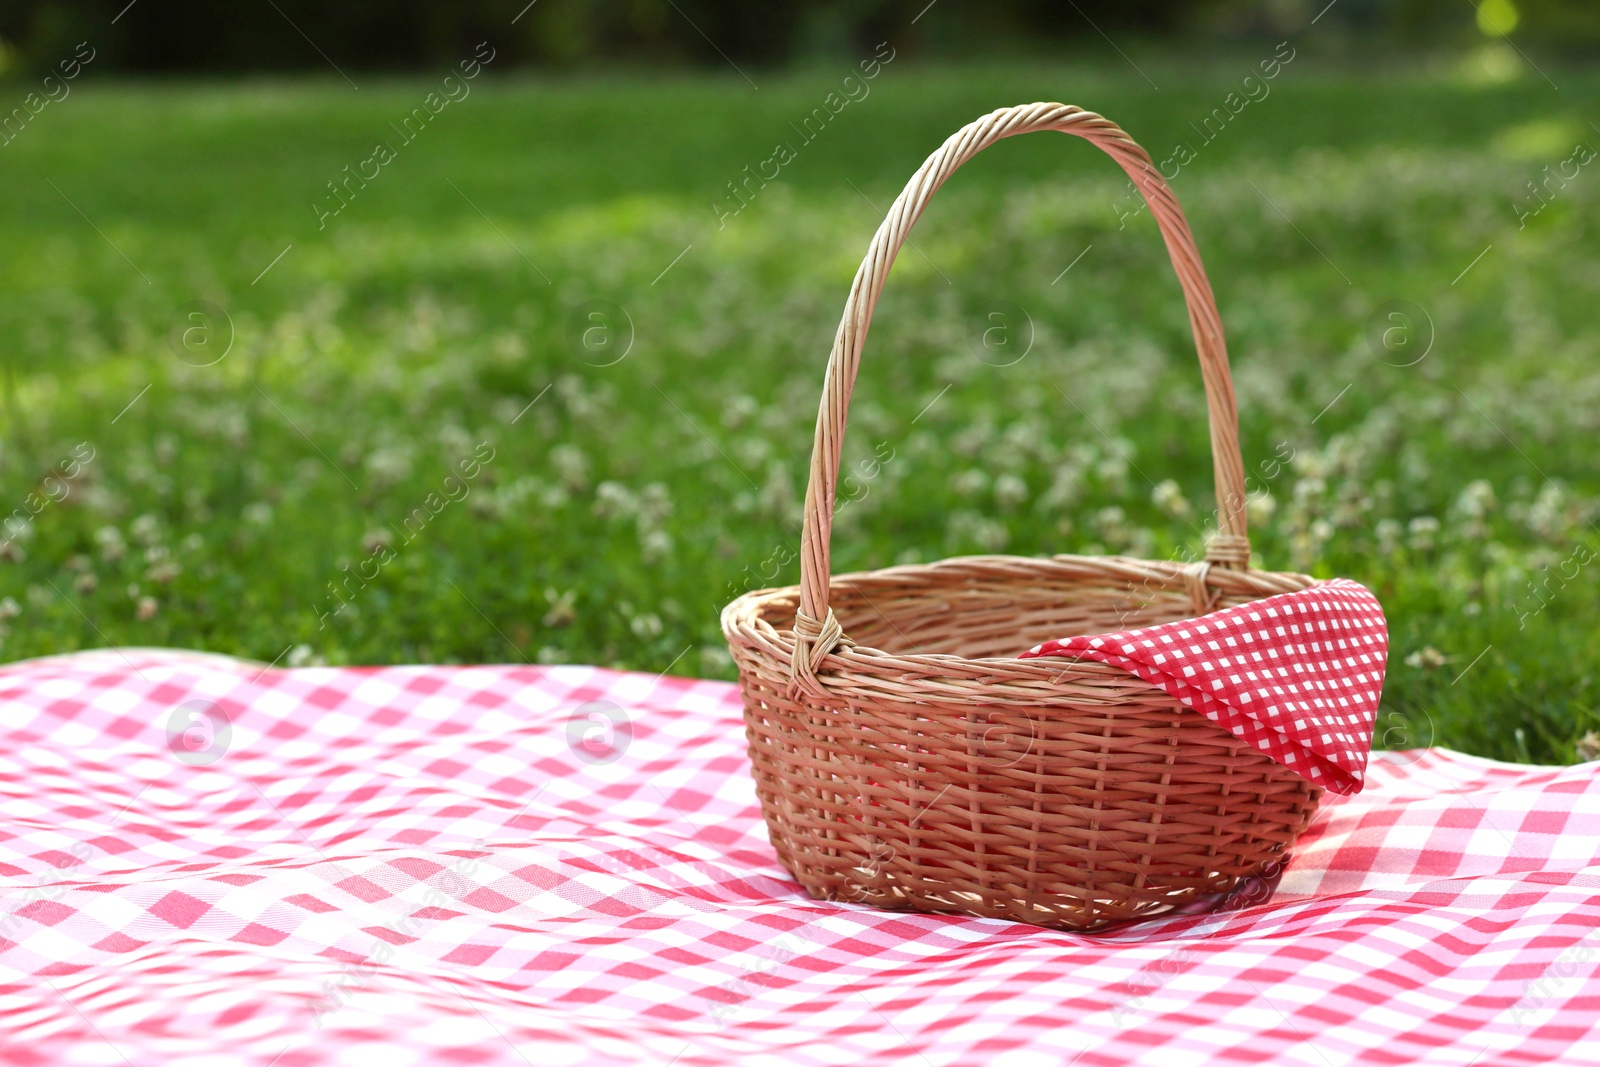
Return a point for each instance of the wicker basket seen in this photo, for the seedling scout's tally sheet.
(918, 764)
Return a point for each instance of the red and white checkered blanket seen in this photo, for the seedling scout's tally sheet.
(206, 864)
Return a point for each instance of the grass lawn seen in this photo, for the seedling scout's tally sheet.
(525, 378)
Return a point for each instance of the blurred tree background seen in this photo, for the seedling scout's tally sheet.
(171, 36)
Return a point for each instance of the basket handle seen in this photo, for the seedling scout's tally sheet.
(816, 631)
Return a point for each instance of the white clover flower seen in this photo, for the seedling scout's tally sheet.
(571, 465)
(1547, 515)
(581, 404)
(194, 499)
(777, 494)
(970, 482)
(303, 656)
(1168, 496)
(389, 465)
(506, 409)
(715, 660)
(1345, 454)
(655, 503)
(18, 530)
(1029, 435)
(146, 529)
(655, 546)
(138, 471)
(1111, 523)
(1113, 471)
(1476, 500)
(112, 546)
(1424, 532)
(1352, 505)
(738, 410)
(614, 500)
(1308, 490)
(973, 439)
(505, 500)
(552, 497)
(645, 626)
(1010, 490)
(561, 612)
(1471, 507)
(1311, 464)
(751, 451)
(1388, 532)
(1414, 466)
(101, 499)
(1427, 658)
(1065, 487)
(509, 347)
(969, 527)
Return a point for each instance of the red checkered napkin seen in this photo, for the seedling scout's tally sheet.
(1297, 675)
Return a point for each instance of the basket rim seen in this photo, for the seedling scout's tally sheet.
(743, 619)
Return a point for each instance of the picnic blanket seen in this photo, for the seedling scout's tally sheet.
(205, 863)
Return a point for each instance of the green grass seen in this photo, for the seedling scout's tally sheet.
(630, 501)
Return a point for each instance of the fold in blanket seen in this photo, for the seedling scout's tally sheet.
(1297, 675)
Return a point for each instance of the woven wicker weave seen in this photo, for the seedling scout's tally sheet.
(917, 764)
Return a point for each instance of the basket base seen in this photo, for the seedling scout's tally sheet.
(1087, 916)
